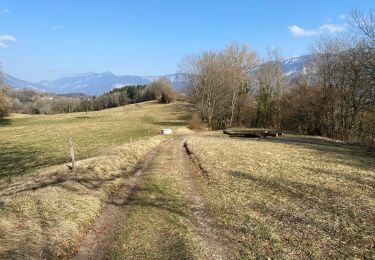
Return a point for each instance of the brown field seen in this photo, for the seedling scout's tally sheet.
(289, 197)
(44, 208)
(44, 214)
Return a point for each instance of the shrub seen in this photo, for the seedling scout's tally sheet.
(4, 102)
(162, 90)
(195, 122)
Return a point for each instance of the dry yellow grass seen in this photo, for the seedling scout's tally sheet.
(44, 214)
(290, 197)
(158, 224)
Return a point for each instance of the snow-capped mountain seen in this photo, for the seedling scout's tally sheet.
(293, 66)
(92, 83)
(18, 83)
(296, 65)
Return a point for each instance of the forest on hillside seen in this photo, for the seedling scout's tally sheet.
(30, 102)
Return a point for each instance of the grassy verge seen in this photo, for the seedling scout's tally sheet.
(290, 197)
(45, 213)
(32, 142)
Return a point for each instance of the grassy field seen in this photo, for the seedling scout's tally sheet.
(44, 214)
(289, 197)
(31, 142)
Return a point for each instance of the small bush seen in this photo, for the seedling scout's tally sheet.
(4, 102)
(195, 122)
(162, 90)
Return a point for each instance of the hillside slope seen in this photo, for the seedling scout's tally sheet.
(32, 142)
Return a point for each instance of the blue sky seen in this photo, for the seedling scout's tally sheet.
(49, 39)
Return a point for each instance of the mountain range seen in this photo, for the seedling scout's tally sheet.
(90, 83)
(93, 83)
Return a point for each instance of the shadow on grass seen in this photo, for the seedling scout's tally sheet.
(333, 152)
(84, 117)
(364, 180)
(18, 161)
(185, 118)
(314, 196)
(159, 200)
(297, 191)
(5, 122)
(93, 183)
(168, 233)
(182, 108)
(169, 123)
(305, 207)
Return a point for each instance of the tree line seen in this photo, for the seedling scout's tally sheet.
(28, 101)
(333, 97)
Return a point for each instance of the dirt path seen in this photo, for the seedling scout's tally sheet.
(114, 217)
(99, 238)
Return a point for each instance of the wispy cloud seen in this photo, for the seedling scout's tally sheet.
(297, 31)
(56, 27)
(4, 11)
(332, 28)
(5, 39)
(342, 16)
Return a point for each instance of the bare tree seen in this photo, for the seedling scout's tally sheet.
(343, 67)
(364, 24)
(270, 78)
(239, 61)
(218, 80)
(325, 53)
(4, 99)
(339, 99)
(205, 86)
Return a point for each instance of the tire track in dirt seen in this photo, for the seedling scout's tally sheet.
(113, 218)
(189, 170)
(97, 241)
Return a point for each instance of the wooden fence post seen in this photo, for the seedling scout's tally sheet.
(72, 155)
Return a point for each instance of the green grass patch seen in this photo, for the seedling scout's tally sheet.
(31, 142)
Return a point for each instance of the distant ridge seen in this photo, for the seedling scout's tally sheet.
(293, 66)
(92, 83)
